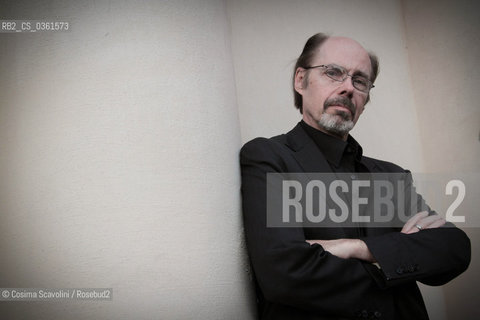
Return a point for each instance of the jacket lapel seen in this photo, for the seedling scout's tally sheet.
(312, 160)
(306, 152)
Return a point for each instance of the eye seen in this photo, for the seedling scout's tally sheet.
(360, 81)
(334, 73)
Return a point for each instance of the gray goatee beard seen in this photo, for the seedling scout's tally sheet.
(336, 124)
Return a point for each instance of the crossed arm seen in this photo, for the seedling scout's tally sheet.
(336, 276)
(357, 248)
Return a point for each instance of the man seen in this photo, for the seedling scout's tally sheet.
(343, 272)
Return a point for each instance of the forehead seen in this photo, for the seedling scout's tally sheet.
(344, 52)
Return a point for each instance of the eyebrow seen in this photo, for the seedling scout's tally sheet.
(361, 73)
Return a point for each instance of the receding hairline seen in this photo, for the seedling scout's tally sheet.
(333, 39)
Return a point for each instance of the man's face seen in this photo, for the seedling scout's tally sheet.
(328, 105)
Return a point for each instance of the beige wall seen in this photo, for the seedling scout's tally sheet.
(444, 48)
(118, 161)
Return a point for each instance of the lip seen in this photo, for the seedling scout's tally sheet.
(340, 107)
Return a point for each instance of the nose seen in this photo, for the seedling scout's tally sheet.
(347, 88)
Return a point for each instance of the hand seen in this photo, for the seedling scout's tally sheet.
(346, 248)
(423, 220)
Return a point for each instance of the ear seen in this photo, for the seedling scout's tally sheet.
(300, 75)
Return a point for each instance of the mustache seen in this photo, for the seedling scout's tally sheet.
(340, 101)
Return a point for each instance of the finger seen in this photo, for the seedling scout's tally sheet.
(409, 227)
(438, 222)
(427, 221)
(414, 220)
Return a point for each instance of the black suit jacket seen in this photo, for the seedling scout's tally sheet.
(298, 281)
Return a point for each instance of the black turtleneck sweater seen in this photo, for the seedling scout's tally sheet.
(342, 156)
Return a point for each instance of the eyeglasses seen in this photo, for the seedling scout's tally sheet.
(339, 74)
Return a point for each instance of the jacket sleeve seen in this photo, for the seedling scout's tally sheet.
(431, 256)
(288, 270)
